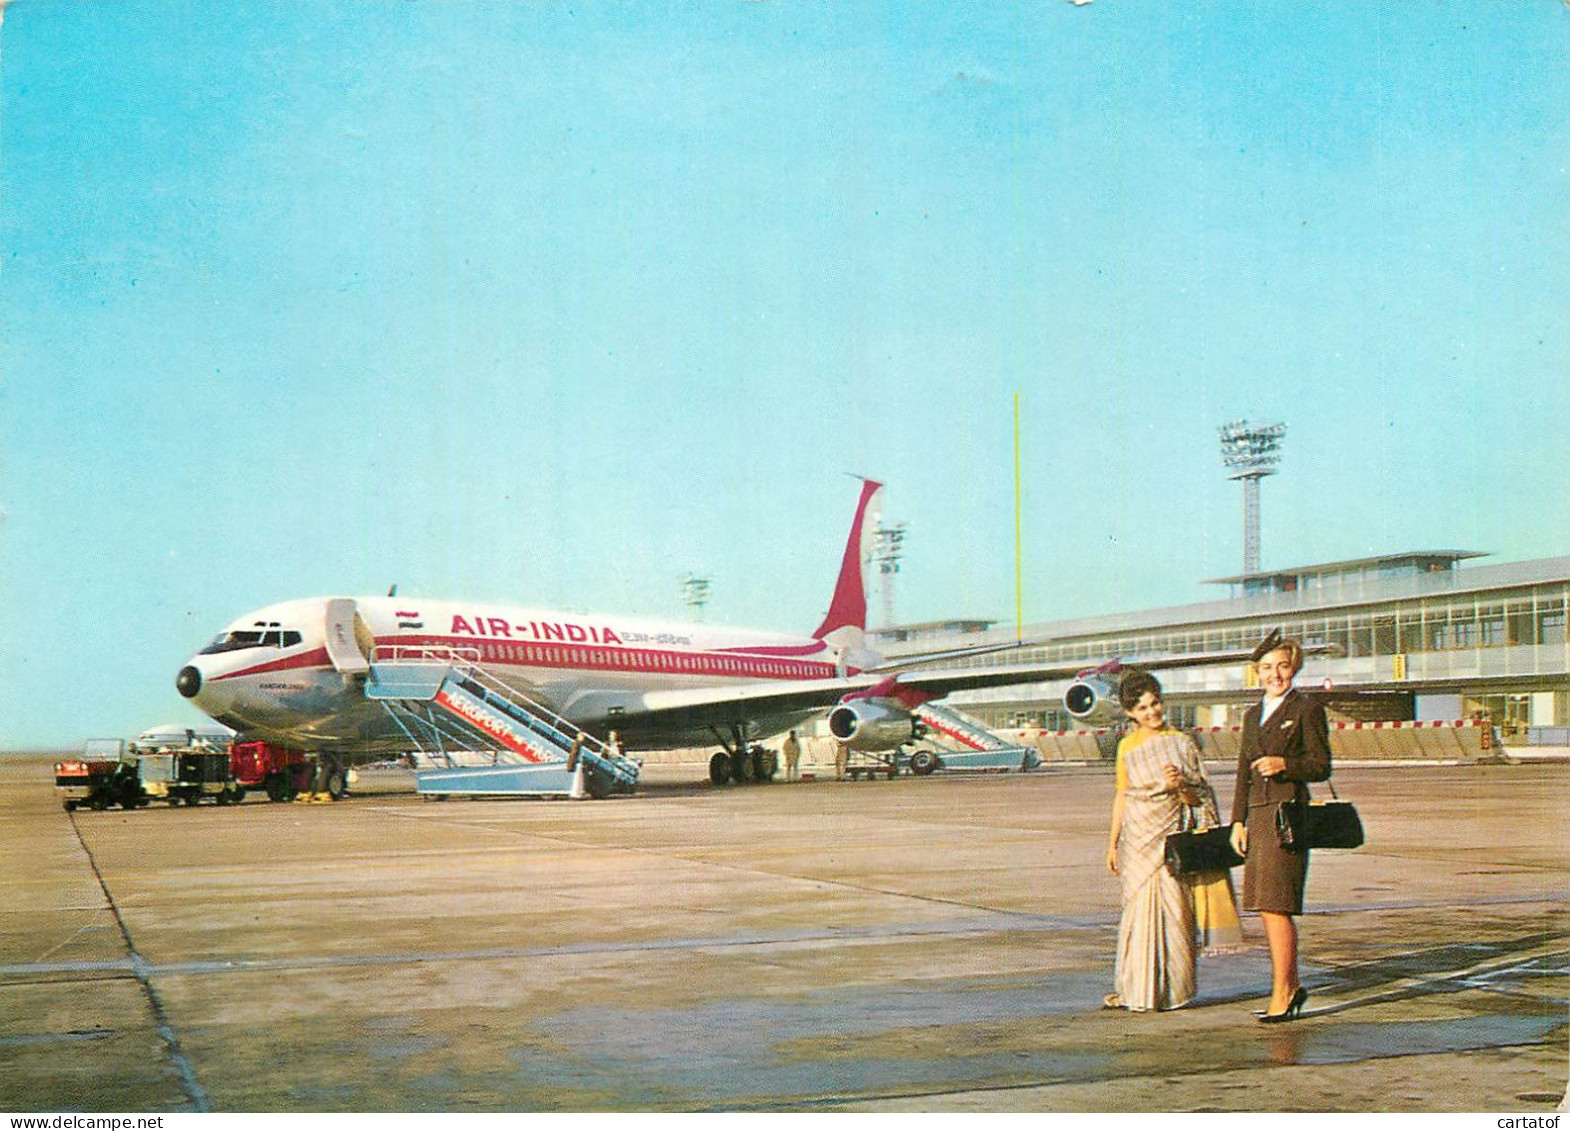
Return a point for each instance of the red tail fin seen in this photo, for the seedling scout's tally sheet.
(849, 607)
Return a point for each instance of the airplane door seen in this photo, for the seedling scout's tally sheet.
(344, 647)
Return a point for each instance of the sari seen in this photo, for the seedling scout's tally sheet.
(1216, 919)
(1163, 915)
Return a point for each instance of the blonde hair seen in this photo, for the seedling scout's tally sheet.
(1294, 652)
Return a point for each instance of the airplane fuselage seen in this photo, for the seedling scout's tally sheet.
(271, 674)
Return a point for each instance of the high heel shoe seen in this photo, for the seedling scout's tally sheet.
(1290, 1013)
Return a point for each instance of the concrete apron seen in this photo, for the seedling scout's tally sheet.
(923, 944)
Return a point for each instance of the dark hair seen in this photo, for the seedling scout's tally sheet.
(1134, 684)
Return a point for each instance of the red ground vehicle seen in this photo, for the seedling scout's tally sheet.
(282, 772)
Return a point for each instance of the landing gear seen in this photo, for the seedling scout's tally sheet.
(337, 783)
(331, 779)
(742, 761)
(923, 762)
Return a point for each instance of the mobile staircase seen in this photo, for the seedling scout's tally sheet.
(474, 735)
(969, 745)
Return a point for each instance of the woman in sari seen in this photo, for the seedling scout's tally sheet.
(1165, 917)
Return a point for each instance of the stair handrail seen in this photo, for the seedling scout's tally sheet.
(541, 719)
(960, 721)
(564, 728)
(424, 654)
(464, 663)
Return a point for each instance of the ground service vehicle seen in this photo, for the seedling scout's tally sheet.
(110, 772)
(280, 771)
(188, 774)
(104, 775)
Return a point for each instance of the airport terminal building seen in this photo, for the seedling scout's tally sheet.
(1421, 637)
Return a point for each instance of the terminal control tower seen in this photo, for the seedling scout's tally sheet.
(1251, 452)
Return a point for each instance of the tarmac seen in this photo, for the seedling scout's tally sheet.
(927, 944)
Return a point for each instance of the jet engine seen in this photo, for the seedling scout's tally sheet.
(1093, 700)
(873, 724)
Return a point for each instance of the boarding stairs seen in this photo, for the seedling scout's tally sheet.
(473, 734)
(967, 744)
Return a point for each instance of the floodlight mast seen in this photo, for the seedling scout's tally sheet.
(695, 594)
(1250, 452)
(887, 550)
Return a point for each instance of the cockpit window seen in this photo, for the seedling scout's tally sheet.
(233, 642)
(263, 636)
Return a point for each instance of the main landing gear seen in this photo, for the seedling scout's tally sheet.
(741, 761)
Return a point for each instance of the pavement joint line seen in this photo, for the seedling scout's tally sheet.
(1014, 922)
(1522, 868)
(1464, 977)
(1419, 904)
(842, 1100)
(1461, 976)
(245, 966)
(68, 940)
(143, 973)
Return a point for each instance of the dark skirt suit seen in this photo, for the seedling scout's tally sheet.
(1273, 879)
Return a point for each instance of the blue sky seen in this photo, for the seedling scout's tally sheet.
(553, 304)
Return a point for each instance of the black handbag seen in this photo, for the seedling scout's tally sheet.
(1302, 824)
(1191, 850)
(1208, 850)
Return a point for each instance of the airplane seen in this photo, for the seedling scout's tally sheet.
(176, 734)
(294, 673)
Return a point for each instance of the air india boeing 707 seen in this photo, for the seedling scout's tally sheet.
(294, 673)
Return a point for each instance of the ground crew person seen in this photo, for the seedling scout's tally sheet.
(792, 749)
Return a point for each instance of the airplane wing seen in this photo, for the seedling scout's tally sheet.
(656, 719)
(945, 681)
(693, 717)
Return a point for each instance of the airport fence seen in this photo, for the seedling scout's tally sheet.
(1457, 740)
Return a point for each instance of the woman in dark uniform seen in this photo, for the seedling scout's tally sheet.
(1286, 742)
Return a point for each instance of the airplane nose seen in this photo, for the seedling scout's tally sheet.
(188, 682)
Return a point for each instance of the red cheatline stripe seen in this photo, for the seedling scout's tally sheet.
(315, 658)
(586, 656)
(815, 648)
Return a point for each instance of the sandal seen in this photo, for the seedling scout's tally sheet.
(1112, 1001)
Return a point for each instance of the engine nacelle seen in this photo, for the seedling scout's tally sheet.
(873, 724)
(1093, 700)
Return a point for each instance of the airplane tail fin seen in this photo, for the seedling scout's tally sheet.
(846, 622)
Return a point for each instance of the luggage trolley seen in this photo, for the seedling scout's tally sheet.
(873, 763)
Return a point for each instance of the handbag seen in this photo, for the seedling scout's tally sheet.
(1209, 850)
(1190, 850)
(1302, 824)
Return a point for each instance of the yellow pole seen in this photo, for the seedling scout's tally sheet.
(1019, 560)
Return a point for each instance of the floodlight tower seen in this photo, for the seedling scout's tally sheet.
(887, 549)
(695, 594)
(1251, 452)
